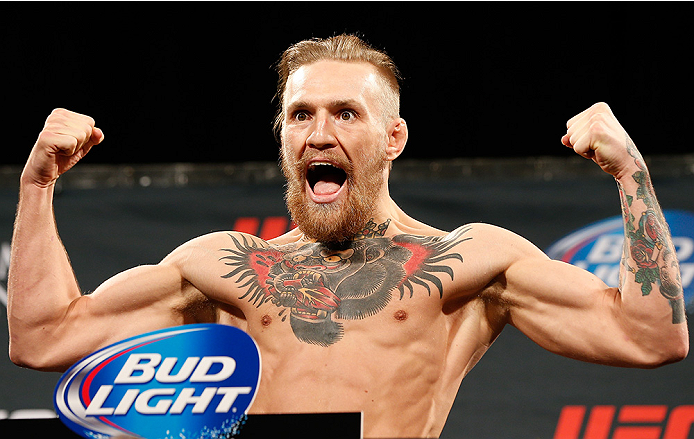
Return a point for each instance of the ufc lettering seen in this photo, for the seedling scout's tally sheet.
(653, 422)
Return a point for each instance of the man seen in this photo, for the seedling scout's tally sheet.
(359, 285)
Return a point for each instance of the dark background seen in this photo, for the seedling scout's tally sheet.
(194, 82)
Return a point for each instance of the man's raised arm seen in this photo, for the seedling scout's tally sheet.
(649, 262)
(51, 324)
(41, 280)
(570, 311)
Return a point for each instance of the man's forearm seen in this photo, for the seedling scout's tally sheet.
(41, 283)
(649, 261)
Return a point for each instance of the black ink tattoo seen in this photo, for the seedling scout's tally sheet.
(355, 280)
(372, 230)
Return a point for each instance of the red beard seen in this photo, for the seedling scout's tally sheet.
(341, 220)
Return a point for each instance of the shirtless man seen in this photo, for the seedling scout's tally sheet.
(360, 308)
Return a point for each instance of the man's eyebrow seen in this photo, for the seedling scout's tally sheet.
(298, 104)
(341, 103)
(337, 103)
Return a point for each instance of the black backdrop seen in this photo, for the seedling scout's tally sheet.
(193, 82)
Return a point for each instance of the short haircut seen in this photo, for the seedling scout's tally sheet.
(344, 47)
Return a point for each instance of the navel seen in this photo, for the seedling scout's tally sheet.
(400, 315)
(266, 320)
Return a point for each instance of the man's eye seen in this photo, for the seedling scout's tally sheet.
(301, 116)
(347, 115)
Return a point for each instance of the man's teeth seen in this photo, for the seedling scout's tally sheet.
(315, 165)
(325, 178)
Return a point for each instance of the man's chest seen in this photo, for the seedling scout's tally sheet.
(317, 290)
(394, 321)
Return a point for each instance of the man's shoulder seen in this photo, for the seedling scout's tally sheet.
(216, 238)
(500, 244)
(489, 231)
(479, 229)
(210, 244)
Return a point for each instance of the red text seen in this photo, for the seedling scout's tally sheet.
(626, 422)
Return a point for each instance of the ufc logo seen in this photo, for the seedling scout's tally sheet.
(601, 422)
(268, 228)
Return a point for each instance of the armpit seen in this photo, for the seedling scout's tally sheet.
(195, 306)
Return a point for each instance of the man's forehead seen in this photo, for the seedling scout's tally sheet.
(339, 79)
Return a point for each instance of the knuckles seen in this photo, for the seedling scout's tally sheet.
(49, 140)
(601, 107)
(68, 118)
(600, 116)
(65, 132)
(598, 125)
(598, 121)
(68, 128)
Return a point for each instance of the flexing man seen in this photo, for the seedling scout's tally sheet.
(360, 308)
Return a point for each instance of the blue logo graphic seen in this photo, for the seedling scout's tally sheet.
(192, 381)
(598, 249)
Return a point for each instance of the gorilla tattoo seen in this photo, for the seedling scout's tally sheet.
(354, 280)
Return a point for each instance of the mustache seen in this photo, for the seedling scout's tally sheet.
(299, 168)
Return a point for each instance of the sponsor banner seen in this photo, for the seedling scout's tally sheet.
(193, 381)
(598, 249)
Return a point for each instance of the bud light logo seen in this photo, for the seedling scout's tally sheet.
(192, 381)
(598, 249)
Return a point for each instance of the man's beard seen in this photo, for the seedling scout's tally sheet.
(341, 220)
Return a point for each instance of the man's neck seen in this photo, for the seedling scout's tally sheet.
(372, 230)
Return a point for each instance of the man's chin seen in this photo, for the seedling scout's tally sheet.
(328, 223)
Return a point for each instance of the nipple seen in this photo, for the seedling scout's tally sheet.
(400, 315)
(266, 320)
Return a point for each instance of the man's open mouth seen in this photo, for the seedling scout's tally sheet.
(325, 180)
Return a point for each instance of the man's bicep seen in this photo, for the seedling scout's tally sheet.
(138, 300)
(140, 287)
(568, 311)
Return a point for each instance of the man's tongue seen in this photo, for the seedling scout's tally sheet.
(325, 180)
(326, 186)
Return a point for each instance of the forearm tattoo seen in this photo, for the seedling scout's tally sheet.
(648, 245)
(317, 283)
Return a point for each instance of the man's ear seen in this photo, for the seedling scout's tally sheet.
(397, 138)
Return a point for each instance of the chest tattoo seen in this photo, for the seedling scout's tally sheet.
(319, 283)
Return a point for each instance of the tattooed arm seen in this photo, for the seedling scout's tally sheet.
(649, 258)
(568, 310)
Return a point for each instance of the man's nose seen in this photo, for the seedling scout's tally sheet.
(322, 134)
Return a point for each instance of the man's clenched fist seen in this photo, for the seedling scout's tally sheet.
(597, 135)
(65, 139)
